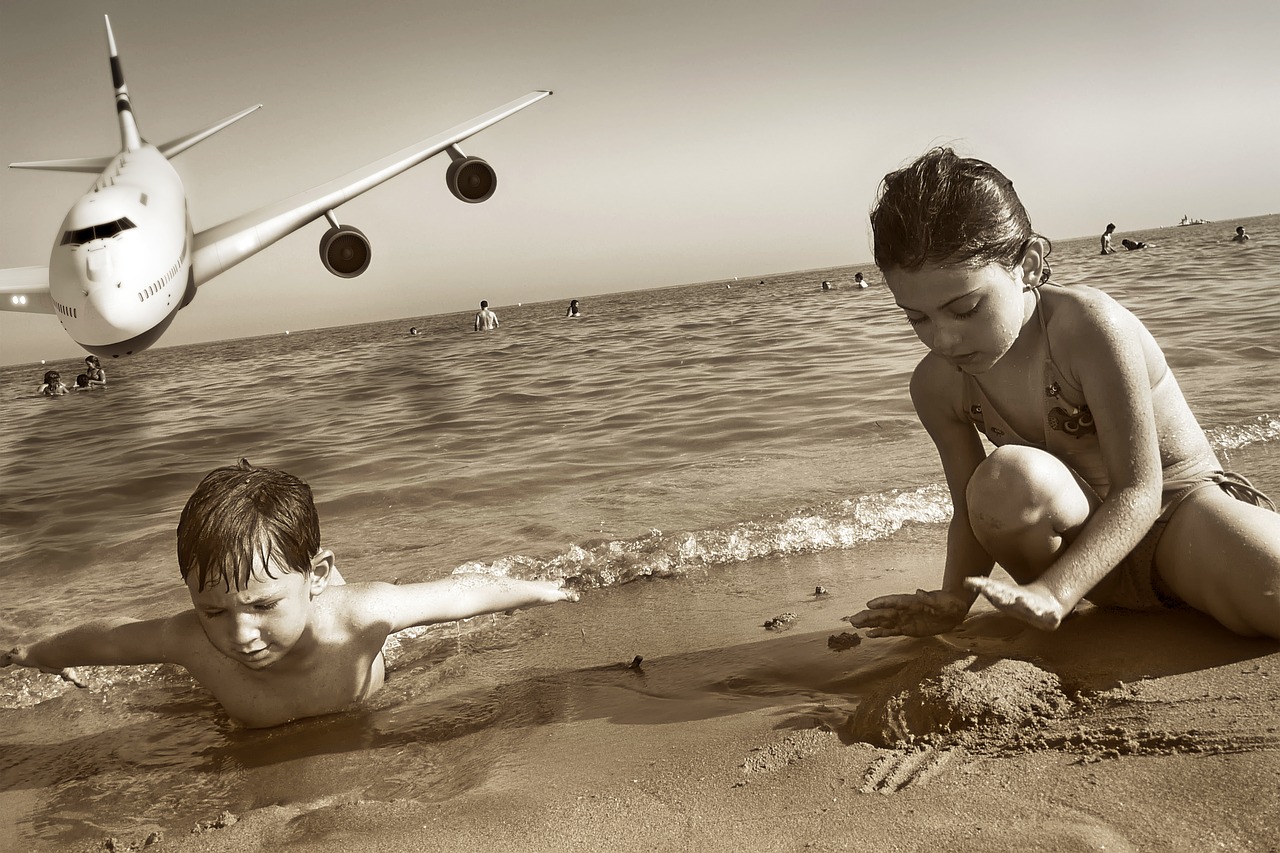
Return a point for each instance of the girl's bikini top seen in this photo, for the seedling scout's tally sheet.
(1069, 431)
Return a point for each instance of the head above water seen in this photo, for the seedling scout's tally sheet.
(944, 210)
(51, 376)
(240, 512)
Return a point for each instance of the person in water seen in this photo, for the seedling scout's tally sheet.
(53, 386)
(1106, 239)
(274, 632)
(1102, 485)
(486, 320)
(1132, 245)
(573, 309)
(858, 281)
(1240, 237)
(93, 369)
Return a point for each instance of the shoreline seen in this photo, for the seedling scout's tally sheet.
(729, 736)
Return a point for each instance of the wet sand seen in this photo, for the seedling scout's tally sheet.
(1120, 731)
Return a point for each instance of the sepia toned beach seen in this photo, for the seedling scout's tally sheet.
(632, 343)
(1119, 732)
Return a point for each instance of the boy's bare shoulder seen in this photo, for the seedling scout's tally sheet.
(361, 604)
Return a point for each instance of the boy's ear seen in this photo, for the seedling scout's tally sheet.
(323, 567)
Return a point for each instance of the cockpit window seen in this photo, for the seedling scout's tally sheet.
(96, 232)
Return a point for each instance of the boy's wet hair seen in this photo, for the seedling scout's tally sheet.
(951, 211)
(240, 512)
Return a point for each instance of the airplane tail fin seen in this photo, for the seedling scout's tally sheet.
(130, 139)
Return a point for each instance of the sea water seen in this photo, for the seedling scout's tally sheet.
(697, 435)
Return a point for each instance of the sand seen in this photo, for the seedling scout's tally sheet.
(1118, 732)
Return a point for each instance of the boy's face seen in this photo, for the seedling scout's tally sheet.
(259, 625)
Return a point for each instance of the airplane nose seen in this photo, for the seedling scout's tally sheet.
(97, 265)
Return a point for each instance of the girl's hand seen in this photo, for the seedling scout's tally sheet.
(1032, 603)
(921, 615)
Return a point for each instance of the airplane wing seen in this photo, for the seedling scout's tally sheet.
(26, 289)
(219, 248)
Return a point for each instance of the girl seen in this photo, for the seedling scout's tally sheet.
(1102, 484)
(93, 369)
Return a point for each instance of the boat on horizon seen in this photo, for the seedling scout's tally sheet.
(1187, 220)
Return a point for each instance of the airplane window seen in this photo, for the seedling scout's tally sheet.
(97, 232)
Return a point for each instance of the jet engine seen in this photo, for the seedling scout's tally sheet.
(345, 251)
(471, 179)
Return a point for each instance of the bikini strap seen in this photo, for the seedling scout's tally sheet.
(1241, 489)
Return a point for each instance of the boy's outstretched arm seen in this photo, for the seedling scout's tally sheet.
(459, 597)
(106, 642)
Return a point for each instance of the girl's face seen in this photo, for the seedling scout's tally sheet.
(970, 317)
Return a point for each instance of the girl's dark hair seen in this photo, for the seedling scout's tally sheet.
(240, 512)
(946, 210)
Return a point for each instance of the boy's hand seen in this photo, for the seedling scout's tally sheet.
(921, 615)
(559, 592)
(17, 656)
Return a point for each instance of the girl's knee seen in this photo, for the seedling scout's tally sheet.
(1022, 501)
(1024, 483)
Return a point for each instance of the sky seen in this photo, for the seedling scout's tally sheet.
(687, 140)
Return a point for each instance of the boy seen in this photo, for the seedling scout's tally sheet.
(274, 632)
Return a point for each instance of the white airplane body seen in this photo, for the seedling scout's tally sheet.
(127, 259)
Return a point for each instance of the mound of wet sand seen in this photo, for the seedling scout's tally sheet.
(946, 695)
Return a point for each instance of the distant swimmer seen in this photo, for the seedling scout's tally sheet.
(84, 383)
(93, 369)
(573, 309)
(1131, 245)
(858, 281)
(53, 385)
(486, 320)
(1106, 239)
(413, 331)
(826, 285)
(1240, 237)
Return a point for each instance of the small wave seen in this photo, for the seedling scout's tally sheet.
(838, 525)
(1262, 429)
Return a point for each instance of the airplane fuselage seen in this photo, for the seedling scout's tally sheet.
(121, 263)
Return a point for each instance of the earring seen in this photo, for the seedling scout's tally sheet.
(1044, 276)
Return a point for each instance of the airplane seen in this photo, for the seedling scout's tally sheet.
(127, 259)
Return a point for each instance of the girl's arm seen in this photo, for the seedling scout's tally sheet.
(939, 401)
(938, 395)
(455, 597)
(1104, 348)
